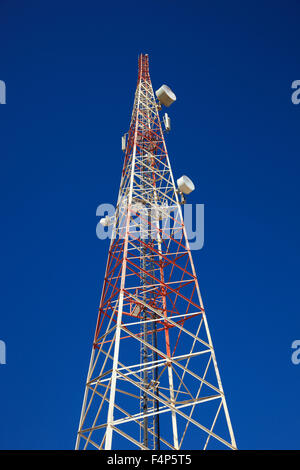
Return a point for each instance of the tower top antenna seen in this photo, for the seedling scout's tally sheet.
(144, 67)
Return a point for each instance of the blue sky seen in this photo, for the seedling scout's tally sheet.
(70, 69)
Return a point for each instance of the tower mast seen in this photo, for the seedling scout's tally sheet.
(153, 380)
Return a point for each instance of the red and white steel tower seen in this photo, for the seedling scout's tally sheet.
(153, 380)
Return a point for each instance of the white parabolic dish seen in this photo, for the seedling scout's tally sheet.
(165, 95)
(185, 185)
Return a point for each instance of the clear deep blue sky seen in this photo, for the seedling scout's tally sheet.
(71, 68)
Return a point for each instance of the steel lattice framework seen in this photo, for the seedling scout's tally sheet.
(153, 380)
